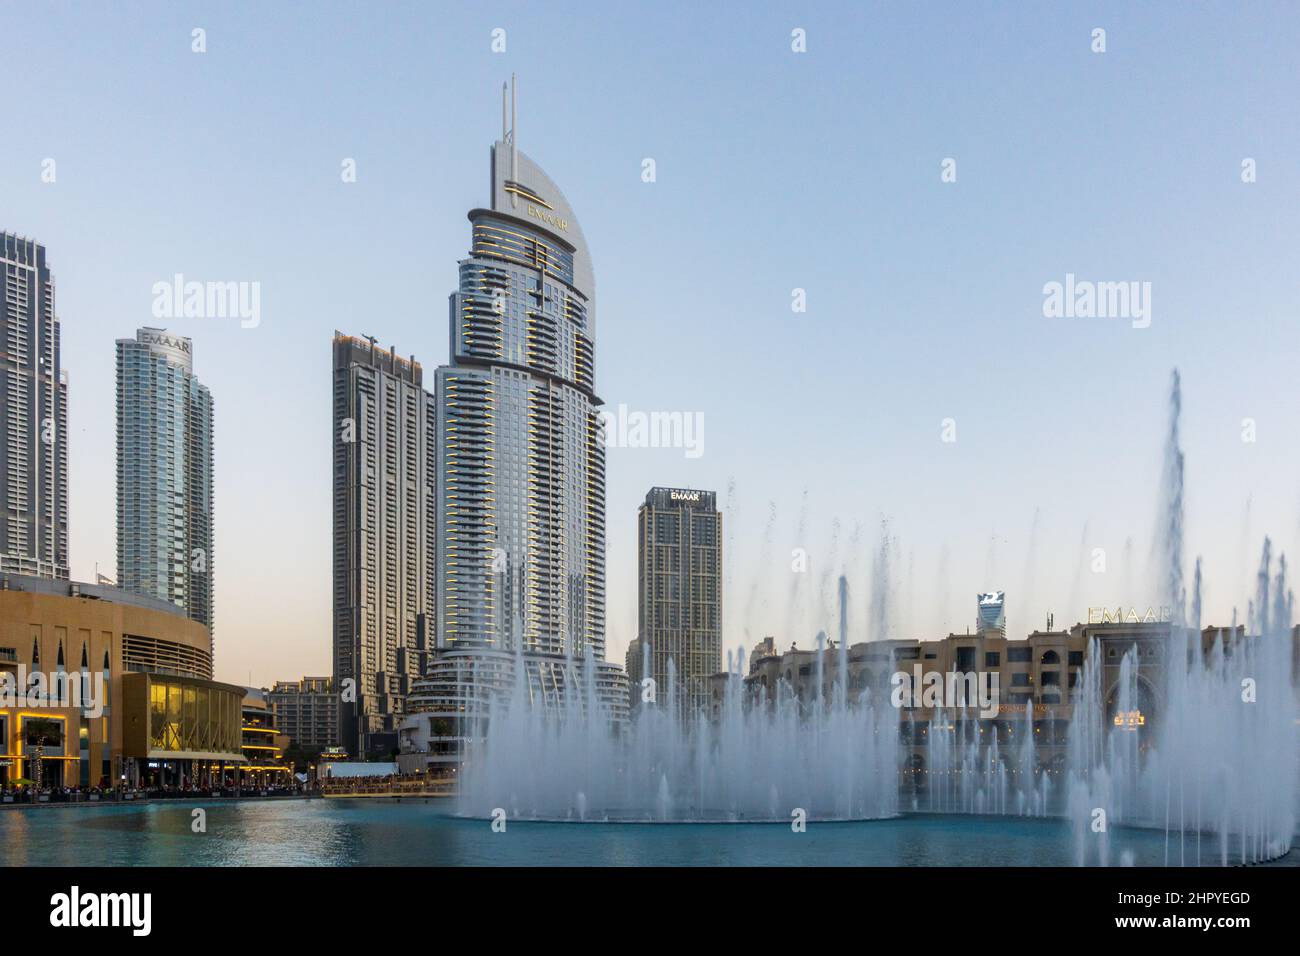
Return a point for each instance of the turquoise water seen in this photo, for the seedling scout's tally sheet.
(384, 833)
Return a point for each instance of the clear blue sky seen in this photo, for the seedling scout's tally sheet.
(776, 170)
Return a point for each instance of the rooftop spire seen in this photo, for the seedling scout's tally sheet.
(514, 143)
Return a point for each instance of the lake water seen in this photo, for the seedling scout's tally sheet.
(386, 833)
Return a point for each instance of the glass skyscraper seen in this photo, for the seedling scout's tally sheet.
(521, 463)
(164, 473)
(33, 416)
(521, 476)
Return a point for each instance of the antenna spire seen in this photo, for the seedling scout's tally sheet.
(514, 143)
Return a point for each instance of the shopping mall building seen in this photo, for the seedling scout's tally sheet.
(125, 696)
(1037, 677)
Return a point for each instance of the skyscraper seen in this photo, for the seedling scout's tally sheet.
(521, 554)
(991, 612)
(679, 617)
(521, 464)
(33, 416)
(164, 473)
(384, 462)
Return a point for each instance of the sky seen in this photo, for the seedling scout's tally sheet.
(775, 170)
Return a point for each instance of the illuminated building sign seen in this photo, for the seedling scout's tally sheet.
(1122, 615)
(549, 218)
(147, 337)
(1130, 719)
(676, 495)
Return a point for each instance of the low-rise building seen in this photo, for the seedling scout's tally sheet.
(307, 711)
(101, 687)
(263, 745)
(1037, 678)
(454, 701)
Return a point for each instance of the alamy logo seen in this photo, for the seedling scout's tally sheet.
(83, 690)
(954, 690)
(180, 299)
(636, 429)
(74, 909)
(1083, 299)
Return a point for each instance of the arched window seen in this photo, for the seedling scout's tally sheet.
(1051, 657)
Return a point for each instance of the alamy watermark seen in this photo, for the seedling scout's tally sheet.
(1084, 299)
(181, 299)
(126, 910)
(80, 690)
(626, 428)
(952, 690)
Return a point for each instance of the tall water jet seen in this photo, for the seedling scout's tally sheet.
(881, 589)
(1191, 735)
(1169, 532)
(762, 754)
(757, 601)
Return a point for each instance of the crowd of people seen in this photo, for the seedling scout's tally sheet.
(27, 793)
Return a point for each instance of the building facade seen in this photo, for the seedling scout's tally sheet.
(263, 744)
(521, 472)
(307, 711)
(384, 522)
(679, 617)
(145, 709)
(520, 562)
(33, 416)
(1038, 677)
(164, 473)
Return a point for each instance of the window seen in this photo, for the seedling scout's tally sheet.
(1020, 655)
(1050, 657)
(1076, 658)
(992, 658)
(43, 732)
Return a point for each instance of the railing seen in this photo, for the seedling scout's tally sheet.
(413, 785)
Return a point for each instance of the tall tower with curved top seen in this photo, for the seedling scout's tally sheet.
(520, 515)
(521, 472)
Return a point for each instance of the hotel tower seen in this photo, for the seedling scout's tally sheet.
(33, 416)
(164, 473)
(521, 465)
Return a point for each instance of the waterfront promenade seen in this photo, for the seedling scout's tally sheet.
(24, 798)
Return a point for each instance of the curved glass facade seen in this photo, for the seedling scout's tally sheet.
(521, 477)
